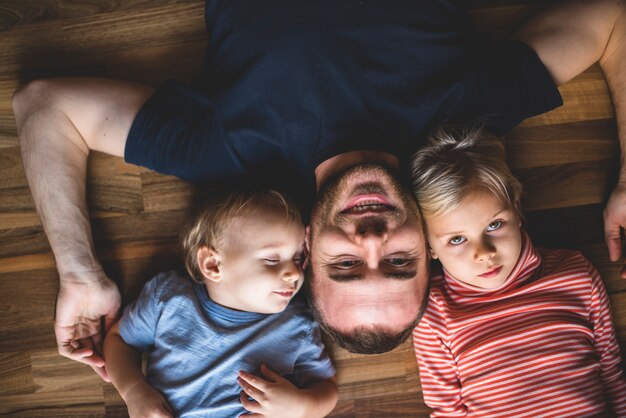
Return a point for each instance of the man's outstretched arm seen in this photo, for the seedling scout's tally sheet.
(570, 37)
(59, 121)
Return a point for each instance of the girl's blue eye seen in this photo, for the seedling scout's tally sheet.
(494, 225)
(457, 240)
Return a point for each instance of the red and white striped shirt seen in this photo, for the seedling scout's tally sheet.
(540, 345)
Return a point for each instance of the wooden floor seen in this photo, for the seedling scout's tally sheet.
(566, 160)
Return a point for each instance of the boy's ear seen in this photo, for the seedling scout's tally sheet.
(208, 260)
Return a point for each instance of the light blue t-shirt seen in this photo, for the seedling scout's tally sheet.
(196, 347)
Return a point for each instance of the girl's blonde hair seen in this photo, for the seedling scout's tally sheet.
(213, 220)
(457, 162)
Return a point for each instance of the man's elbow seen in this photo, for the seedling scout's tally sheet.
(29, 98)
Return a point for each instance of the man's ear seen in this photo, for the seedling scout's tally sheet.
(307, 239)
(208, 260)
(307, 248)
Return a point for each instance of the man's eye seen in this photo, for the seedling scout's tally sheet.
(271, 261)
(494, 225)
(457, 240)
(398, 261)
(346, 264)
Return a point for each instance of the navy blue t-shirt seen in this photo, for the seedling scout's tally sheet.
(290, 83)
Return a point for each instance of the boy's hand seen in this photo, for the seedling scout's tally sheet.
(144, 401)
(275, 397)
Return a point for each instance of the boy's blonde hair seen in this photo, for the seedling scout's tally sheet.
(457, 162)
(213, 220)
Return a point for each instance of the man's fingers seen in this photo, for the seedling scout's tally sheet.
(613, 240)
(101, 371)
(109, 320)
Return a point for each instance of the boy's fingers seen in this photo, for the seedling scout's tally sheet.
(269, 374)
(250, 390)
(253, 380)
(249, 405)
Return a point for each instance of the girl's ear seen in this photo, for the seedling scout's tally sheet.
(432, 253)
(208, 260)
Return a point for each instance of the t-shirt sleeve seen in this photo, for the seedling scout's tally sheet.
(177, 132)
(313, 363)
(506, 83)
(139, 320)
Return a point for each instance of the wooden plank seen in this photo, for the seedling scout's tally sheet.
(565, 185)
(399, 405)
(546, 145)
(584, 99)
(153, 65)
(15, 373)
(571, 227)
(122, 251)
(165, 193)
(15, 13)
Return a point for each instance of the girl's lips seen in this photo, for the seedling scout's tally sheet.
(372, 199)
(491, 273)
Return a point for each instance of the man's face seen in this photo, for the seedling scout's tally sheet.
(368, 252)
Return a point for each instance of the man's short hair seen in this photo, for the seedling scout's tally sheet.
(458, 161)
(216, 212)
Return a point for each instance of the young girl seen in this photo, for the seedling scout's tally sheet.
(510, 330)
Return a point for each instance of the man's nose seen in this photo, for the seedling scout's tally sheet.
(374, 225)
(485, 250)
(370, 235)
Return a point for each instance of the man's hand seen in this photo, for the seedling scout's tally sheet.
(274, 396)
(614, 221)
(83, 305)
(144, 401)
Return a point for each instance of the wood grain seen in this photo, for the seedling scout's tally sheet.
(566, 160)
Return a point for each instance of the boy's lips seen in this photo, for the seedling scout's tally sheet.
(285, 293)
(491, 273)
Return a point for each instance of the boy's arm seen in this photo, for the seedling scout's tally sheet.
(607, 347)
(276, 397)
(124, 367)
(440, 384)
(571, 36)
(322, 397)
(59, 121)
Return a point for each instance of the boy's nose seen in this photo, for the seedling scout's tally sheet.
(291, 273)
